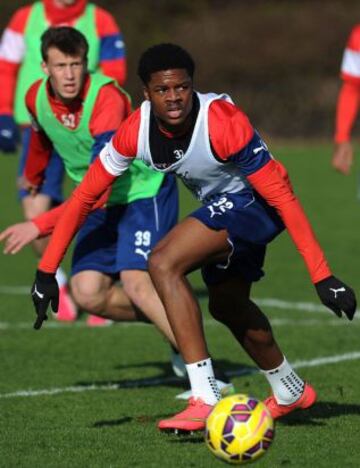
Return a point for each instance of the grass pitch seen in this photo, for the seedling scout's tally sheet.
(74, 396)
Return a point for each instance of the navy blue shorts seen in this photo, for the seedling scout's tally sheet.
(121, 237)
(251, 224)
(54, 173)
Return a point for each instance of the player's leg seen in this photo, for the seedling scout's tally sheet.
(187, 246)
(206, 240)
(140, 228)
(140, 290)
(95, 293)
(230, 303)
(33, 206)
(192, 243)
(115, 240)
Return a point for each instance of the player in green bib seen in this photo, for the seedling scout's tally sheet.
(76, 113)
(20, 66)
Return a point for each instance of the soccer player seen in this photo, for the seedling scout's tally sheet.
(348, 103)
(76, 113)
(20, 66)
(247, 199)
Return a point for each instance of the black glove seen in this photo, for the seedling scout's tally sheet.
(337, 296)
(44, 290)
(9, 134)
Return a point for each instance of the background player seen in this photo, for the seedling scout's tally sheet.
(347, 104)
(20, 66)
(76, 113)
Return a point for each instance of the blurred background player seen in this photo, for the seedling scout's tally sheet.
(20, 66)
(347, 104)
(76, 113)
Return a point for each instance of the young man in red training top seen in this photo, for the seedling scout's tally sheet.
(247, 201)
(347, 104)
(20, 66)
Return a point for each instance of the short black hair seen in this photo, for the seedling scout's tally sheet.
(68, 40)
(164, 57)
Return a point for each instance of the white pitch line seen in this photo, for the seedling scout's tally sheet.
(81, 325)
(15, 290)
(281, 304)
(265, 302)
(171, 380)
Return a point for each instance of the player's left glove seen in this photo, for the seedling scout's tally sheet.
(337, 296)
(44, 291)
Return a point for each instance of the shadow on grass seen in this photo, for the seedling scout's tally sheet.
(197, 438)
(166, 377)
(112, 422)
(320, 411)
(315, 417)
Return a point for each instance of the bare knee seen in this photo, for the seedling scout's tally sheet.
(89, 297)
(34, 206)
(137, 285)
(162, 266)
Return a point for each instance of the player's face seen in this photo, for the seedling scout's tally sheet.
(66, 73)
(170, 93)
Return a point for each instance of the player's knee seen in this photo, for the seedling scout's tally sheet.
(135, 285)
(160, 264)
(226, 308)
(35, 206)
(218, 312)
(89, 298)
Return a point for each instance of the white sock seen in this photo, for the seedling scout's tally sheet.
(202, 381)
(286, 385)
(61, 277)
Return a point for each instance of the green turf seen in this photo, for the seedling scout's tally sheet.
(112, 385)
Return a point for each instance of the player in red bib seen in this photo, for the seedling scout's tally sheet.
(347, 104)
(247, 201)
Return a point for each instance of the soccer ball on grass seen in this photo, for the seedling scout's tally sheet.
(239, 429)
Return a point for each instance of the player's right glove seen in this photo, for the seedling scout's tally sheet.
(337, 296)
(44, 291)
(9, 134)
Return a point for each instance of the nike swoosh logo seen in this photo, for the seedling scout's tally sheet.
(38, 293)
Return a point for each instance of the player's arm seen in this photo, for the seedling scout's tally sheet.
(347, 106)
(12, 48)
(112, 57)
(347, 109)
(40, 147)
(237, 141)
(45, 289)
(17, 236)
(270, 183)
(113, 161)
(234, 139)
